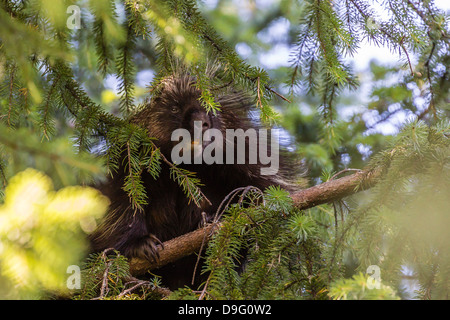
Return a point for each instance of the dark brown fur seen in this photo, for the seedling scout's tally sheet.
(169, 213)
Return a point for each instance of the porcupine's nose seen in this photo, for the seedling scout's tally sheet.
(202, 117)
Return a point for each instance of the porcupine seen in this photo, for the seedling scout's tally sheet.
(169, 212)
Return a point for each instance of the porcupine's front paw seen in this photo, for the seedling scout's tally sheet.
(146, 248)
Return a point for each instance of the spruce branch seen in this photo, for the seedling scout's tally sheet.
(47, 123)
(385, 32)
(107, 276)
(330, 191)
(20, 141)
(126, 70)
(104, 25)
(11, 82)
(277, 93)
(187, 181)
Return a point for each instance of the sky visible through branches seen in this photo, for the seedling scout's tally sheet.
(279, 51)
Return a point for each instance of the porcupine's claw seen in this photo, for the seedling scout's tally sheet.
(146, 248)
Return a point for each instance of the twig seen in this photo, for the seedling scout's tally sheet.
(200, 251)
(427, 66)
(203, 293)
(127, 291)
(142, 283)
(343, 171)
(104, 290)
(278, 94)
(258, 92)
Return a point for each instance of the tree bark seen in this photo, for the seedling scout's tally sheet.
(175, 249)
(335, 189)
(329, 191)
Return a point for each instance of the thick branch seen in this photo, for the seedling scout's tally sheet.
(335, 189)
(175, 249)
(190, 243)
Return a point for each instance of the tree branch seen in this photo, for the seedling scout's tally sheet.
(335, 189)
(190, 243)
(175, 249)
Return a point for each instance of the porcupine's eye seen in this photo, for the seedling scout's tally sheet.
(174, 109)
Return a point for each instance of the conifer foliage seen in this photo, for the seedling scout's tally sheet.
(51, 120)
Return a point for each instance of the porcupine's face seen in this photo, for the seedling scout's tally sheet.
(178, 107)
(228, 137)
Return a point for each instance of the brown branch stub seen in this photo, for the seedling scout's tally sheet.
(330, 191)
